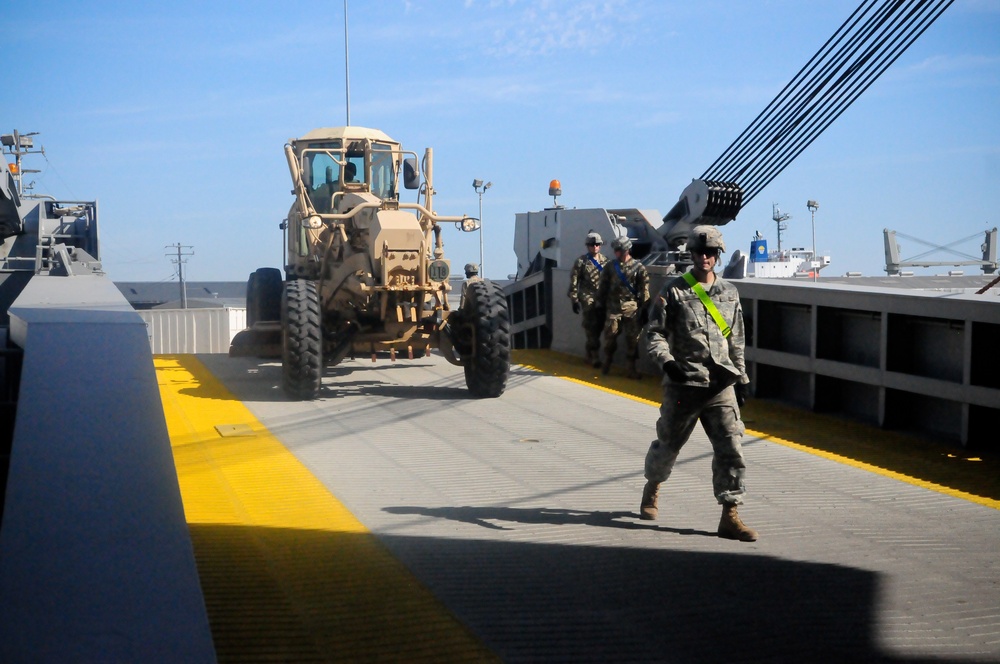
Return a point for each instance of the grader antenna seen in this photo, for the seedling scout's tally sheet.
(347, 67)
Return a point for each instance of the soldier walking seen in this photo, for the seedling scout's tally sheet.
(624, 292)
(696, 334)
(583, 282)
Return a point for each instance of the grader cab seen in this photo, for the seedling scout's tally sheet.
(366, 273)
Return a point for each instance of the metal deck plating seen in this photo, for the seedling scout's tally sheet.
(513, 530)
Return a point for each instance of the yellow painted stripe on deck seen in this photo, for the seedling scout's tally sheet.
(916, 481)
(288, 573)
(560, 365)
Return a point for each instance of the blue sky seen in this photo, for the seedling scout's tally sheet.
(173, 116)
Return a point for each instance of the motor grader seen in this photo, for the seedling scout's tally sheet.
(365, 273)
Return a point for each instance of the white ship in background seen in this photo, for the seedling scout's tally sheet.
(782, 264)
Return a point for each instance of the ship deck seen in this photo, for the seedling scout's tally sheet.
(398, 519)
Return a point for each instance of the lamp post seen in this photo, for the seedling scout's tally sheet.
(481, 189)
(813, 206)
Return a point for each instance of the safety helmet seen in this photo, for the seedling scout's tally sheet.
(705, 237)
(594, 238)
(622, 243)
(471, 269)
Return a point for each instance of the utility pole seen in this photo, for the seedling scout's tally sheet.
(179, 262)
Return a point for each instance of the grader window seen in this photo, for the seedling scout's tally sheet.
(320, 165)
(383, 171)
(354, 171)
(325, 168)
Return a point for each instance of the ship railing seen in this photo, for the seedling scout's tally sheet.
(530, 303)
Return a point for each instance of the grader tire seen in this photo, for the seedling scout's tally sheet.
(264, 295)
(267, 293)
(302, 340)
(253, 300)
(486, 311)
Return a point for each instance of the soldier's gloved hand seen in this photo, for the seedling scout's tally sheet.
(576, 307)
(742, 392)
(674, 371)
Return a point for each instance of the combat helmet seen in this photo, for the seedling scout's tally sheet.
(622, 243)
(471, 270)
(593, 238)
(705, 237)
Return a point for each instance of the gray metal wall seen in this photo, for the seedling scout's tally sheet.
(96, 561)
(910, 360)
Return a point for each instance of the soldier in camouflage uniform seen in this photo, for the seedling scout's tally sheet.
(583, 281)
(705, 379)
(624, 292)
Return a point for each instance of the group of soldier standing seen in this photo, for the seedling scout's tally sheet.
(611, 296)
(694, 332)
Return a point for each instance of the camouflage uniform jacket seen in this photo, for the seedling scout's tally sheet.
(615, 295)
(584, 277)
(680, 329)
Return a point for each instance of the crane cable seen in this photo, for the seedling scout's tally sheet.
(863, 47)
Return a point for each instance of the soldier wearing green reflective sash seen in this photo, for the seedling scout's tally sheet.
(695, 334)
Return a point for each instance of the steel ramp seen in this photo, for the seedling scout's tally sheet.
(519, 515)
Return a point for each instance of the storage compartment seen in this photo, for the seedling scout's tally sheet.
(784, 327)
(986, 356)
(785, 385)
(984, 429)
(857, 400)
(847, 335)
(929, 347)
(917, 413)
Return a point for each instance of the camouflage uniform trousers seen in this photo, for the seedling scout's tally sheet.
(593, 323)
(719, 413)
(622, 325)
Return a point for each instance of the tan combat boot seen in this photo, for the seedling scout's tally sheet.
(647, 508)
(730, 527)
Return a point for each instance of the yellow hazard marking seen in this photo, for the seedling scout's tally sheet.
(648, 392)
(288, 573)
(940, 488)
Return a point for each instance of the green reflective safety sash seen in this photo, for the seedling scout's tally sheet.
(710, 307)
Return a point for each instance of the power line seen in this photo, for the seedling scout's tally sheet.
(179, 261)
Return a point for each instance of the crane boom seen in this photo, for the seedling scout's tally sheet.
(861, 49)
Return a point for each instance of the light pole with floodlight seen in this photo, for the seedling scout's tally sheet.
(813, 206)
(481, 189)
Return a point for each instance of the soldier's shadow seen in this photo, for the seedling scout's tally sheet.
(486, 516)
